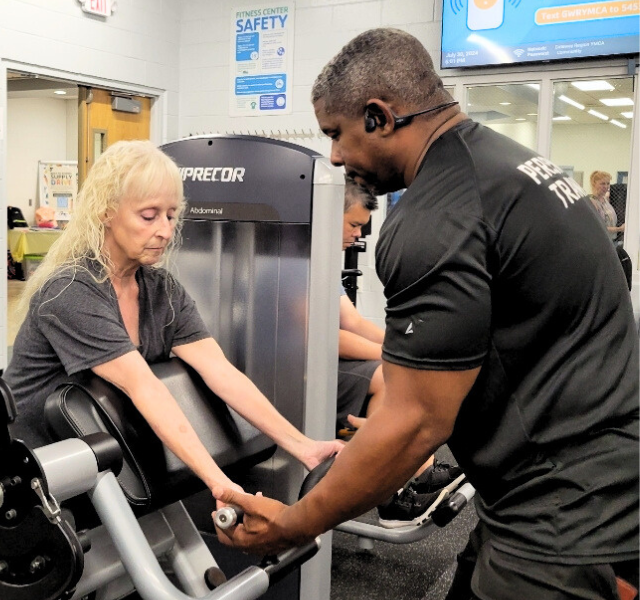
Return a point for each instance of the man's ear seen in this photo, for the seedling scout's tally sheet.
(378, 115)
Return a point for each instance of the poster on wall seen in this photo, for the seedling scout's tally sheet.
(58, 187)
(262, 59)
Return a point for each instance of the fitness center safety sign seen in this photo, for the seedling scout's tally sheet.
(262, 59)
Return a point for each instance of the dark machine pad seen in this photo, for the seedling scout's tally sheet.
(152, 475)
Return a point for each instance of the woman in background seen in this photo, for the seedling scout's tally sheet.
(600, 186)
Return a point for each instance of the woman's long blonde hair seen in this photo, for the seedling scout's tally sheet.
(136, 169)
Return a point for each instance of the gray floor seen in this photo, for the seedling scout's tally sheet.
(419, 571)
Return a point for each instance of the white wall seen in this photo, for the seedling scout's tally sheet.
(37, 129)
(320, 32)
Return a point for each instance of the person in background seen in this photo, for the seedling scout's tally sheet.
(600, 186)
(506, 337)
(361, 386)
(101, 302)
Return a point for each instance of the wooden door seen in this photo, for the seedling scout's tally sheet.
(99, 125)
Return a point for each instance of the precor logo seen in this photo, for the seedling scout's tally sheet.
(213, 174)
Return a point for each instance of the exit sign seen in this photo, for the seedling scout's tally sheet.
(104, 8)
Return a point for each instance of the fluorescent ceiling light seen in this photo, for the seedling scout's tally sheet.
(505, 103)
(532, 114)
(593, 86)
(535, 86)
(618, 124)
(627, 114)
(60, 92)
(565, 118)
(520, 119)
(572, 102)
(595, 113)
(617, 101)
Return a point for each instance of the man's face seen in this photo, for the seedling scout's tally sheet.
(363, 155)
(353, 222)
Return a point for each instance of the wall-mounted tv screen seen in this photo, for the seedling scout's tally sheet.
(497, 32)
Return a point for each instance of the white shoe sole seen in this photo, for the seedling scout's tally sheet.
(445, 492)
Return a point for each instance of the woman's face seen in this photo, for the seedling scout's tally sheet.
(601, 187)
(140, 229)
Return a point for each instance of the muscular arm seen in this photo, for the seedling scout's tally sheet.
(416, 417)
(132, 375)
(239, 392)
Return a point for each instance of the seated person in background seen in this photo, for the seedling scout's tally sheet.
(361, 384)
(600, 184)
(102, 302)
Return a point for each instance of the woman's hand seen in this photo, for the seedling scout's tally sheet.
(226, 484)
(314, 452)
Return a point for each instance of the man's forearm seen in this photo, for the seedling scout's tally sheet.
(375, 464)
(354, 347)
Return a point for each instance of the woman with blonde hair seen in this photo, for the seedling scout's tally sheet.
(600, 186)
(102, 302)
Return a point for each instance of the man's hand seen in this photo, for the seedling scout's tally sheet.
(259, 532)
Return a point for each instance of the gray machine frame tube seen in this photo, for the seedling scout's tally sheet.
(324, 324)
(400, 535)
(70, 466)
(140, 562)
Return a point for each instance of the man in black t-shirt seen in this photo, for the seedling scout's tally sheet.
(509, 334)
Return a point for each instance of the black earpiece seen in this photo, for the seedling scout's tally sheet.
(369, 123)
(373, 118)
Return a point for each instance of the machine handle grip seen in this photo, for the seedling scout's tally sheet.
(280, 566)
(351, 272)
(228, 516)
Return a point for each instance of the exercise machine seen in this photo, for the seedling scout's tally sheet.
(143, 538)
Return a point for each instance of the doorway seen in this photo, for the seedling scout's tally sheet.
(48, 119)
(106, 117)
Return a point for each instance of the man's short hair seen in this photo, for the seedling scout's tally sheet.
(356, 194)
(384, 63)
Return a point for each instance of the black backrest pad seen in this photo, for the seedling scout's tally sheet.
(152, 475)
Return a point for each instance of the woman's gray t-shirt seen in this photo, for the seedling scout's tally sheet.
(74, 324)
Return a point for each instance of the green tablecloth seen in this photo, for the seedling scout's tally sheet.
(27, 241)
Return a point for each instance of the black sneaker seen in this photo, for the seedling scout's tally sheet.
(406, 507)
(436, 477)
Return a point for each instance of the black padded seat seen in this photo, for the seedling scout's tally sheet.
(152, 476)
